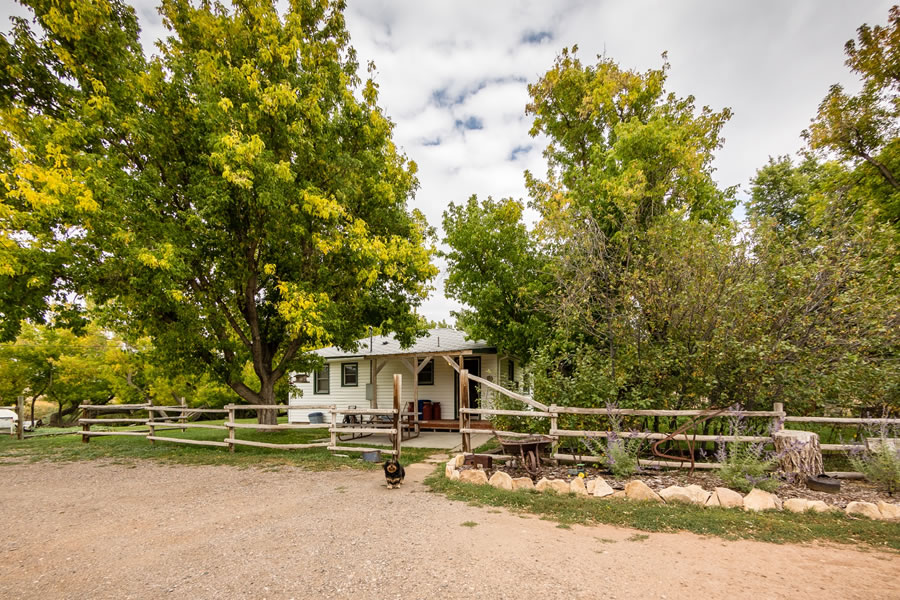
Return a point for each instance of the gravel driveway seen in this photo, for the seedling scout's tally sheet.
(100, 530)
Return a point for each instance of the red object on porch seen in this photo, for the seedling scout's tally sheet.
(435, 410)
(427, 411)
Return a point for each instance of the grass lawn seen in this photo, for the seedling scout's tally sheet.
(130, 448)
(771, 526)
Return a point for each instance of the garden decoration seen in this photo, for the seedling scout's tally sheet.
(690, 441)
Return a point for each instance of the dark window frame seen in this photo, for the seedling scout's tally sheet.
(427, 369)
(327, 370)
(511, 371)
(344, 374)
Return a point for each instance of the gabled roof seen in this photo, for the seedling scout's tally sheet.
(436, 341)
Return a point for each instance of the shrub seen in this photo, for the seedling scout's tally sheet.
(620, 455)
(746, 465)
(880, 464)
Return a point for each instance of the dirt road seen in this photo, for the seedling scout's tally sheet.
(96, 530)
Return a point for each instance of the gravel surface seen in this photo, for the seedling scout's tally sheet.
(101, 530)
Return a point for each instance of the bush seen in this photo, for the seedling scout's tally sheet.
(620, 455)
(746, 465)
(880, 465)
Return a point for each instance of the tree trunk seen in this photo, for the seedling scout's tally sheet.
(267, 396)
(799, 455)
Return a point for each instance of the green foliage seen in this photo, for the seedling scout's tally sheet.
(97, 367)
(862, 130)
(880, 464)
(236, 197)
(621, 149)
(621, 455)
(494, 266)
(744, 467)
(649, 295)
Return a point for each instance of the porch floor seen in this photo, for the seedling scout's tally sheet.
(452, 424)
(451, 441)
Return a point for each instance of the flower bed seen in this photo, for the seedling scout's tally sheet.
(706, 489)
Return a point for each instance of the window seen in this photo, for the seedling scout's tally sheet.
(511, 371)
(426, 375)
(320, 381)
(349, 375)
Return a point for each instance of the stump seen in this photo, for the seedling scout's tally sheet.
(799, 454)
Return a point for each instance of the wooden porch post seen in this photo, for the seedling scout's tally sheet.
(416, 383)
(373, 379)
(398, 385)
(464, 404)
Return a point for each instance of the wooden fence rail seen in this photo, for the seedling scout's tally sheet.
(231, 441)
(553, 412)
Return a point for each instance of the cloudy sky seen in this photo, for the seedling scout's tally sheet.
(453, 76)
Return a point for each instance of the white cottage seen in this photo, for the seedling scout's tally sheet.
(346, 380)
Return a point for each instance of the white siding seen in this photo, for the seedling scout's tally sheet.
(342, 397)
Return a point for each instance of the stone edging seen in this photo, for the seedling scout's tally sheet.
(756, 500)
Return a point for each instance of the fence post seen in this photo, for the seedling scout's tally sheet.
(778, 422)
(86, 427)
(333, 432)
(230, 427)
(183, 417)
(20, 410)
(398, 385)
(151, 430)
(464, 417)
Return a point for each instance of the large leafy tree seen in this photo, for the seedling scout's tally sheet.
(861, 130)
(622, 153)
(237, 197)
(497, 267)
(621, 149)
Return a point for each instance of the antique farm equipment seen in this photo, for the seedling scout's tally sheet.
(527, 448)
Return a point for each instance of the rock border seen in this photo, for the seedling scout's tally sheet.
(756, 500)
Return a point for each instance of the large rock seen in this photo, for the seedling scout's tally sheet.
(522, 483)
(728, 498)
(819, 506)
(713, 500)
(577, 487)
(889, 511)
(866, 509)
(676, 493)
(758, 500)
(638, 490)
(451, 466)
(473, 476)
(618, 494)
(454, 475)
(698, 494)
(501, 480)
(552, 485)
(796, 505)
(459, 459)
(599, 488)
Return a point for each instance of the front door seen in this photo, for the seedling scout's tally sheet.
(473, 365)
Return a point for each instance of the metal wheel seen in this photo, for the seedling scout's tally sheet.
(532, 463)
